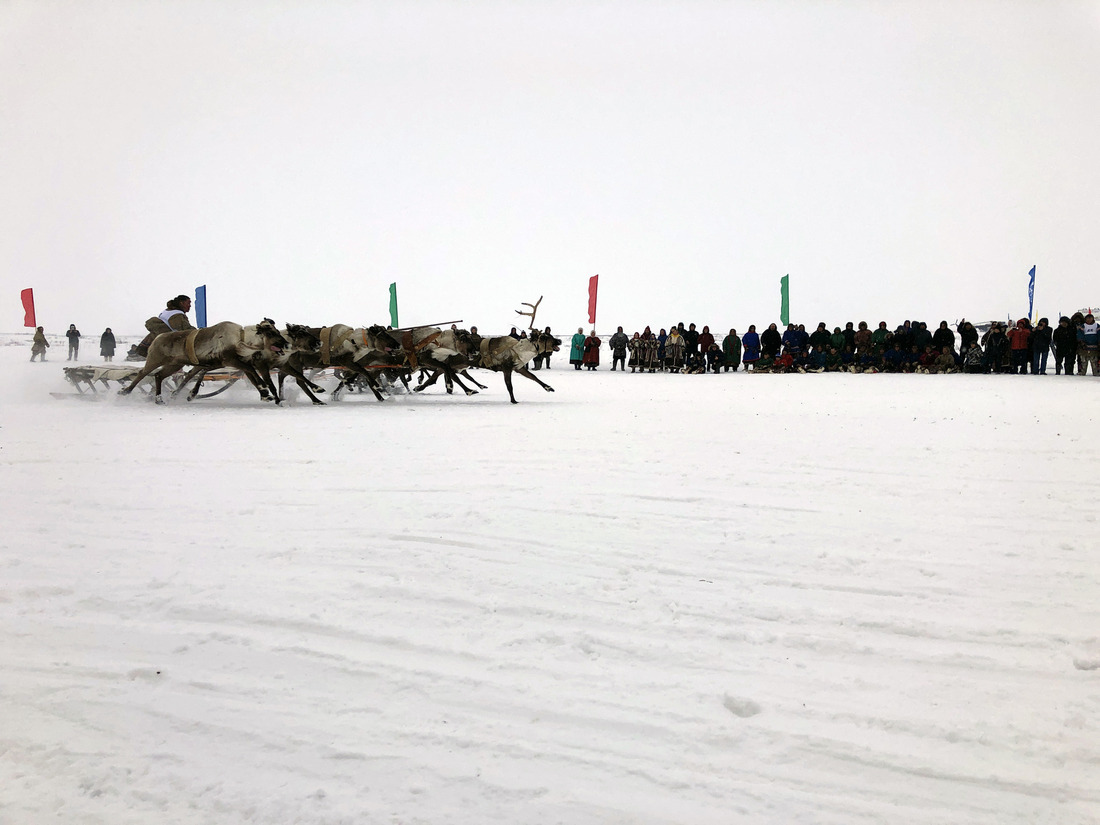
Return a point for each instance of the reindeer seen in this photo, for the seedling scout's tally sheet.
(360, 352)
(432, 350)
(221, 345)
(505, 355)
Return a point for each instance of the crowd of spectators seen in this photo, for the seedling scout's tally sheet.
(911, 347)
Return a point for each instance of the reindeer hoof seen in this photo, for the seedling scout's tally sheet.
(471, 392)
(549, 389)
(318, 403)
(159, 400)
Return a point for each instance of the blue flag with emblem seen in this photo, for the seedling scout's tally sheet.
(200, 306)
(1031, 295)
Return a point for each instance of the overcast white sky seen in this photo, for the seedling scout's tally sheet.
(899, 160)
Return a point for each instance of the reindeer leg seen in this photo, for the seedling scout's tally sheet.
(146, 371)
(423, 386)
(159, 379)
(466, 374)
(508, 383)
(263, 370)
(200, 374)
(251, 374)
(528, 374)
(452, 375)
(300, 379)
(369, 378)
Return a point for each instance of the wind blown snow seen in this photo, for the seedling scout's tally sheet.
(646, 599)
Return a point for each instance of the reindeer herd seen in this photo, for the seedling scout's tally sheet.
(362, 356)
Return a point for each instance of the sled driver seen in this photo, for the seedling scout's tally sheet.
(172, 319)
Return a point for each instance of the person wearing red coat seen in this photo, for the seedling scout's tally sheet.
(591, 357)
(1018, 340)
(705, 340)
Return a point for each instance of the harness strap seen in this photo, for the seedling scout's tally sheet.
(189, 346)
(326, 351)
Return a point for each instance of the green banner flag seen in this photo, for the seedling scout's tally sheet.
(785, 300)
(393, 305)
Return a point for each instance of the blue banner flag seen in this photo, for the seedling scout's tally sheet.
(1031, 295)
(200, 306)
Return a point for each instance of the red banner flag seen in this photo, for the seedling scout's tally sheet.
(28, 307)
(593, 284)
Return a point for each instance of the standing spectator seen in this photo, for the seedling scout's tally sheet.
(107, 344)
(995, 345)
(74, 342)
(618, 344)
(1064, 339)
(770, 341)
(819, 340)
(592, 351)
(863, 339)
(705, 340)
(1041, 337)
(637, 347)
(662, 340)
(649, 350)
(943, 337)
(751, 345)
(878, 337)
(513, 334)
(1088, 343)
(691, 340)
(837, 340)
(576, 349)
(39, 345)
(546, 355)
(542, 358)
(731, 351)
(1018, 340)
(850, 335)
(674, 351)
(921, 337)
(968, 336)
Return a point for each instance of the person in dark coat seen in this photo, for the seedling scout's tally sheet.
(996, 345)
(731, 351)
(74, 342)
(1064, 339)
(771, 341)
(618, 343)
(714, 357)
(1041, 337)
(691, 340)
(943, 337)
(107, 344)
(968, 336)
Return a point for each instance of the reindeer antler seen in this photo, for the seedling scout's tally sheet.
(534, 309)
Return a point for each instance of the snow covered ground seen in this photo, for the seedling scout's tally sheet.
(643, 599)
